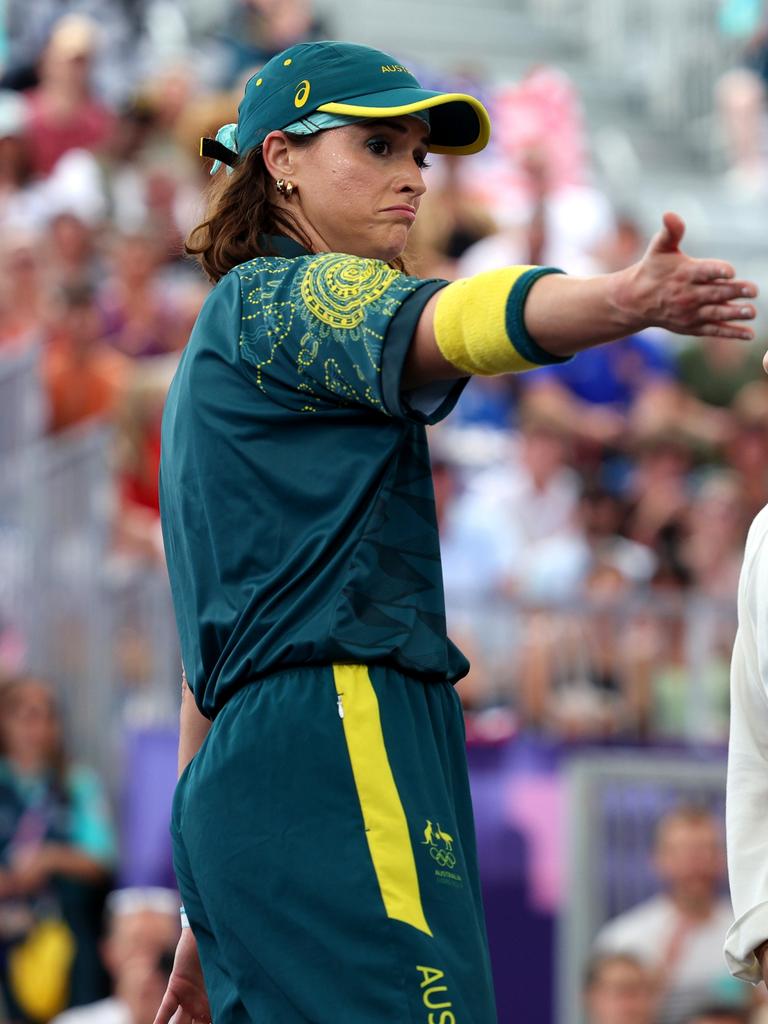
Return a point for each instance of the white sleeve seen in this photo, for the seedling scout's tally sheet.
(747, 787)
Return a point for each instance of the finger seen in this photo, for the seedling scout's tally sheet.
(722, 292)
(671, 234)
(168, 1008)
(728, 311)
(723, 330)
(710, 270)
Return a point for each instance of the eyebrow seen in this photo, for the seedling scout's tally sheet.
(397, 127)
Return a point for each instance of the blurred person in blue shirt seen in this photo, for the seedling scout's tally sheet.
(600, 390)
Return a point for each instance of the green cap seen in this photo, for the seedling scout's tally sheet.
(346, 78)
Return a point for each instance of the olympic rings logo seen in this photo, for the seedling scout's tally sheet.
(443, 857)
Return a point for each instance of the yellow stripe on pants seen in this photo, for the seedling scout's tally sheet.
(386, 827)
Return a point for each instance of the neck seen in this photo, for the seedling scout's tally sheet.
(697, 906)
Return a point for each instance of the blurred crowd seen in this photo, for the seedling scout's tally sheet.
(592, 514)
(595, 496)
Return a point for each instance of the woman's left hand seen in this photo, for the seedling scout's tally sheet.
(669, 289)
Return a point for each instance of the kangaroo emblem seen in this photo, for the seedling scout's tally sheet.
(428, 841)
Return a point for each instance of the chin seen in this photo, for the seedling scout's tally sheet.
(390, 248)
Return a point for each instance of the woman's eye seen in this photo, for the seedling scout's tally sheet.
(378, 146)
(422, 163)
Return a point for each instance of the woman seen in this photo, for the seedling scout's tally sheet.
(57, 849)
(323, 835)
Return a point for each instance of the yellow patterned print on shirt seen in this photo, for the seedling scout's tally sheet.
(336, 289)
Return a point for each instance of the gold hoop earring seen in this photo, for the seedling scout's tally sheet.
(284, 187)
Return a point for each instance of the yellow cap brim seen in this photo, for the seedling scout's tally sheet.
(356, 108)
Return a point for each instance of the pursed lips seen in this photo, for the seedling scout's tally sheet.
(401, 208)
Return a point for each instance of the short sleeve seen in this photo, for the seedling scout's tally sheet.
(333, 330)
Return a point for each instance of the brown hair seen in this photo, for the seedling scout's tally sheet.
(240, 213)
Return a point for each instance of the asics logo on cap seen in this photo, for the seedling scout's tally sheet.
(302, 93)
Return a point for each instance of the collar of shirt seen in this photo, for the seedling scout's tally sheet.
(283, 246)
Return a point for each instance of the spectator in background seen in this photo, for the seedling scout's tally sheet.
(657, 494)
(714, 546)
(720, 1013)
(57, 849)
(714, 372)
(597, 394)
(678, 934)
(260, 29)
(579, 673)
(20, 200)
(72, 251)
(141, 318)
(520, 517)
(741, 95)
(84, 378)
(142, 929)
(747, 448)
(62, 112)
(28, 26)
(618, 990)
(24, 298)
(137, 457)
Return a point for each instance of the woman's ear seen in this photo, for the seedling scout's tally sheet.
(277, 155)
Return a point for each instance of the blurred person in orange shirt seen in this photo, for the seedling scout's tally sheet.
(84, 378)
(618, 990)
(62, 111)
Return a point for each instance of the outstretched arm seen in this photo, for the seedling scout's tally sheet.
(564, 315)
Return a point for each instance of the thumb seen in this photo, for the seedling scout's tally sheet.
(668, 238)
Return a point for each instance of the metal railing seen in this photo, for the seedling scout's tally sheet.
(102, 626)
(613, 805)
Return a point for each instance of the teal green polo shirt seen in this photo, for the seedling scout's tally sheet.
(295, 486)
(296, 495)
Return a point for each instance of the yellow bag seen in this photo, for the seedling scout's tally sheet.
(39, 968)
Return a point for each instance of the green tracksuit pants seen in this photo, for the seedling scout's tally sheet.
(325, 852)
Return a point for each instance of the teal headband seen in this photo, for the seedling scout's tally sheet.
(309, 125)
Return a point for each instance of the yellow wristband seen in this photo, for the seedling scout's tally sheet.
(479, 323)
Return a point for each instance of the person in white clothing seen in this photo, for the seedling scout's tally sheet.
(143, 928)
(747, 790)
(678, 934)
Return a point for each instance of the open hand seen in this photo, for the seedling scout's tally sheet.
(669, 289)
(185, 995)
